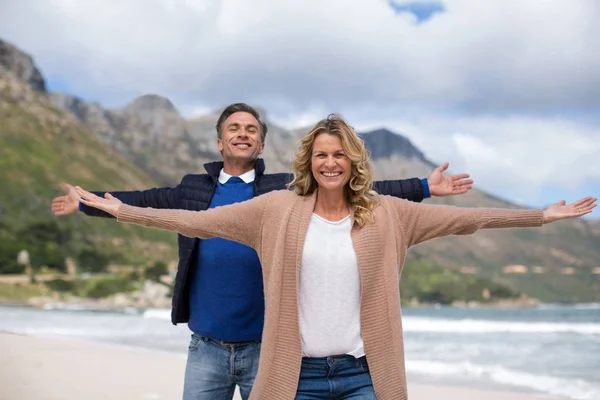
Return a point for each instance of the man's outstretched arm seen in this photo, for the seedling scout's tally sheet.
(155, 198)
(436, 184)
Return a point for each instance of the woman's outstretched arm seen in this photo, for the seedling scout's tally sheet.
(421, 222)
(240, 222)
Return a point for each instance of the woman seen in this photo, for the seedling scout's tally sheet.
(332, 252)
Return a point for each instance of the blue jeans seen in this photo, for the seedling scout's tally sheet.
(335, 377)
(213, 369)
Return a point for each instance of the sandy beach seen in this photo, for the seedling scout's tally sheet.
(35, 368)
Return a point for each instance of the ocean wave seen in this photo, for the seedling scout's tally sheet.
(88, 307)
(423, 324)
(576, 306)
(438, 325)
(48, 331)
(572, 388)
(158, 313)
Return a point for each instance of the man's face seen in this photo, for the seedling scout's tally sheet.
(240, 138)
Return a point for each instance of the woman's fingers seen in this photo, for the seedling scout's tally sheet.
(583, 206)
(87, 195)
(586, 201)
(87, 198)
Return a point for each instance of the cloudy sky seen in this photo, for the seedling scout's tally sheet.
(508, 90)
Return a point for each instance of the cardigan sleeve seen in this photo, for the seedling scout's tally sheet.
(239, 222)
(421, 222)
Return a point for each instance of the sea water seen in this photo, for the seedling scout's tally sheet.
(552, 350)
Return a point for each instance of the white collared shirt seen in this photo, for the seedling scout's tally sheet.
(247, 177)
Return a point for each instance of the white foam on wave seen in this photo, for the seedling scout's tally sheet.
(68, 307)
(423, 324)
(87, 307)
(159, 313)
(572, 388)
(576, 306)
(49, 331)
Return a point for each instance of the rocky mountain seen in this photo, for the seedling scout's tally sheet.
(42, 146)
(558, 262)
(21, 67)
(151, 133)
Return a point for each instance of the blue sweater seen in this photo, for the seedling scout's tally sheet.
(226, 293)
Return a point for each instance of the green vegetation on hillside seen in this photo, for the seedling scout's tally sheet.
(39, 148)
(96, 287)
(15, 292)
(430, 283)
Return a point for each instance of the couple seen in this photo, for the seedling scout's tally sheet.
(332, 253)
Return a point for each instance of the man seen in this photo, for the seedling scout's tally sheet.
(219, 287)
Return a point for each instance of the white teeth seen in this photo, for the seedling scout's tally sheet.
(331, 174)
(245, 146)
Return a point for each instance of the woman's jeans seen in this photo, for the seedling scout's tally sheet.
(335, 377)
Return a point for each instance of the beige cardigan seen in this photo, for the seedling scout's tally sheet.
(275, 224)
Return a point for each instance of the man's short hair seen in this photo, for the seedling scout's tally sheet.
(241, 107)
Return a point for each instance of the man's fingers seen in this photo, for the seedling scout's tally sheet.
(462, 189)
(460, 176)
(58, 202)
(58, 207)
(66, 187)
(444, 166)
(463, 182)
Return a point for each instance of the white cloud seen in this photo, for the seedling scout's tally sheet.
(509, 78)
(504, 54)
(510, 156)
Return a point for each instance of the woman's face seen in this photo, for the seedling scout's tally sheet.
(331, 168)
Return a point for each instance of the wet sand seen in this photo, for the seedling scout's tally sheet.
(34, 368)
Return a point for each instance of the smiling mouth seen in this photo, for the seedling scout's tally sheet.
(331, 174)
(242, 145)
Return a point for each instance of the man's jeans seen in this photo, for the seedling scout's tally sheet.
(335, 377)
(213, 369)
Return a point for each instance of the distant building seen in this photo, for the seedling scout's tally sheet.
(515, 269)
(568, 271)
(468, 270)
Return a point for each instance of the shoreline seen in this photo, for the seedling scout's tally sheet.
(59, 368)
(91, 304)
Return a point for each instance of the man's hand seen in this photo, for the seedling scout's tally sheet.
(444, 185)
(67, 204)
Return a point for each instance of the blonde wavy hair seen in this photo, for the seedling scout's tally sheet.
(358, 191)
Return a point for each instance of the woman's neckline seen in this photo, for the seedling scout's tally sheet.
(331, 222)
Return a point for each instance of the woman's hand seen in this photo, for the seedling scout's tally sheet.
(109, 203)
(562, 210)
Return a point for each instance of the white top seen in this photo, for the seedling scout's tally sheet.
(247, 177)
(329, 291)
